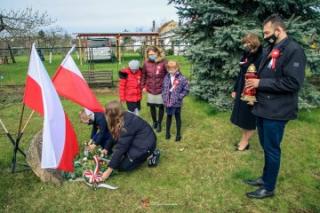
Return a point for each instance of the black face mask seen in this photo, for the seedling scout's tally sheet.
(271, 40)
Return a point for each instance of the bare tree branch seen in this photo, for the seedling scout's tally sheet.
(23, 22)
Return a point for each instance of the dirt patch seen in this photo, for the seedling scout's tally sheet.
(14, 93)
(106, 91)
(11, 94)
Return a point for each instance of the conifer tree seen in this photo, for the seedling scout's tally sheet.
(213, 30)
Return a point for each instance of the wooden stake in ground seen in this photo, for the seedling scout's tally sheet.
(16, 142)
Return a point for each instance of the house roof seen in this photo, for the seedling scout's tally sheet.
(123, 34)
(162, 27)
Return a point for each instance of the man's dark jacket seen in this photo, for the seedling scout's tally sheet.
(277, 93)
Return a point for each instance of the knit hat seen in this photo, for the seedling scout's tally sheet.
(134, 64)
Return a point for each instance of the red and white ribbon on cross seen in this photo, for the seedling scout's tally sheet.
(94, 176)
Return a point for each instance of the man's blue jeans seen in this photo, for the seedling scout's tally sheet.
(270, 136)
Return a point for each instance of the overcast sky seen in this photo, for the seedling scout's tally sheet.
(99, 15)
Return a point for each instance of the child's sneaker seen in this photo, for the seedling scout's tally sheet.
(154, 158)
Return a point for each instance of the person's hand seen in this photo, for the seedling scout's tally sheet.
(252, 83)
(91, 147)
(106, 174)
(144, 90)
(233, 94)
(104, 152)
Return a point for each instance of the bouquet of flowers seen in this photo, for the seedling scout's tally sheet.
(86, 162)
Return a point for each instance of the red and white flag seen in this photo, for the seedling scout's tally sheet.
(59, 139)
(70, 84)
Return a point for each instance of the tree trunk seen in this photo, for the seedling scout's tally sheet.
(11, 54)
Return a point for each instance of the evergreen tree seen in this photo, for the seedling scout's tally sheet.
(214, 28)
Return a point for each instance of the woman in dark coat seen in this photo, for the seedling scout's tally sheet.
(241, 114)
(133, 140)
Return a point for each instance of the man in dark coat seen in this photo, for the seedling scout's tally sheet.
(281, 75)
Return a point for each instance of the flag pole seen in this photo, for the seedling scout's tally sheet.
(27, 122)
(72, 49)
(69, 53)
(10, 136)
(17, 141)
(3, 127)
(21, 118)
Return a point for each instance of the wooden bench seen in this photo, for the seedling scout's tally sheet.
(99, 78)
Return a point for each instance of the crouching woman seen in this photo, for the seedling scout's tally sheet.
(134, 140)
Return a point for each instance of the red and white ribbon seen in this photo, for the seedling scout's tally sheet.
(275, 54)
(158, 70)
(244, 62)
(175, 84)
(94, 176)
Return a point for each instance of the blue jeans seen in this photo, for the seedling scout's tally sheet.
(127, 164)
(270, 136)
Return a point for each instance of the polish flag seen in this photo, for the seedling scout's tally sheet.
(70, 84)
(60, 145)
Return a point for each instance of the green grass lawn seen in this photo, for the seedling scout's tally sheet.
(16, 73)
(203, 173)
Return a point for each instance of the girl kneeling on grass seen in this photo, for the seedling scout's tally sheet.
(175, 88)
(134, 140)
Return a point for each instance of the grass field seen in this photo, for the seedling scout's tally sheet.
(13, 74)
(203, 173)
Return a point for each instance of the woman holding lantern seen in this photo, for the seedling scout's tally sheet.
(241, 113)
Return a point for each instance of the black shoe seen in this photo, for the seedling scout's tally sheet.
(256, 182)
(154, 158)
(159, 127)
(260, 193)
(155, 124)
(178, 138)
(168, 136)
(244, 149)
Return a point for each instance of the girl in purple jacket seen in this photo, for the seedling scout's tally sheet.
(175, 88)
